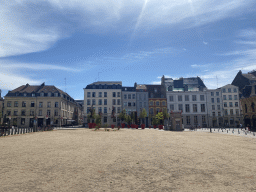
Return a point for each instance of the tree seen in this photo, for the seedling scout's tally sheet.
(98, 119)
(166, 114)
(133, 117)
(91, 115)
(143, 114)
(159, 117)
(154, 120)
(122, 115)
(128, 119)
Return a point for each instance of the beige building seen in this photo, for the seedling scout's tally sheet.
(40, 105)
(104, 97)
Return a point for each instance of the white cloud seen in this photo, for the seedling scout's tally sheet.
(205, 42)
(156, 82)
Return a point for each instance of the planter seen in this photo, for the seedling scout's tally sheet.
(112, 126)
(122, 125)
(90, 125)
(160, 126)
(137, 126)
(142, 126)
(154, 126)
(128, 126)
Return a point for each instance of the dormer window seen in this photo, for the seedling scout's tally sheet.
(33, 94)
(155, 90)
(49, 94)
(42, 94)
(56, 94)
(25, 94)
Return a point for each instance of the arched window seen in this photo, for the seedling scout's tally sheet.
(253, 110)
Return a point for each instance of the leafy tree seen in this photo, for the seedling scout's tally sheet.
(143, 114)
(128, 119)
(133, 117)
(154, 120)
(98, 119)
(166, 115)
(91, 115)
(159, 117)
(122, 115)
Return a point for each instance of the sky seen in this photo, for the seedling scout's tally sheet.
(73, 43)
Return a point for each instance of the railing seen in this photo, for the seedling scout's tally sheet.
(6, 131)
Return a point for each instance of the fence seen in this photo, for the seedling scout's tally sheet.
(16, 130)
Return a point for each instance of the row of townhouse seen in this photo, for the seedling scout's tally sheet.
(198, 105)
(40, 105)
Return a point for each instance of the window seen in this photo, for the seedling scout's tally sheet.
(218, 100)
(252, 105)
(48, 104)
(213, 114)
(187, 108)
(237, 112)
(125, 103)
(236, 104)
(88, 101)
(231, 112)
(195, 120)
(226, 112)
(230, 97)
(201, 97)
(170, 88)
(113, 102)
(213, 107)
(134, 104)
(157, 103)
(133, 96)
(235, 97)
(203, 119)
(88, 94)
(49, 94)
(180, 107)
(9, 104)
(151, 103)
(100, 109)
(212, 99)
(212, 93)
(41, 94)
(8, 113)
(151, 111)
(125, 96)
(202, 107)
(172, 107)
(193, 97)
(224, 97)
(163, 103)
(129, 104)
(218, 107)
(93, 102)
(23, 103)
(23, 112)
(40, 104)
(171, 98)
(22, 121)
(217, 94)
(56, 104)
(56, 94)
(140, 104)
(105, 119)
(194, 107)
(100, 102)
(235, 90)
(56, 112)
(25, 94)
(32, 104)
(229, 90)
(114, 94)
(157, 110)
(33, 94)
(32, 113)
(118, 101)
(230, 104)
(105, 94)
(219, 114)
(100, 94)
(93, 94)
(188, 120)
(88, 110)
(186, 97)
(48, 112)
(118, 94)
(129, 96)
(15, 113)
(225, 104)
(179, 97)
(118, 109)
(224, 90)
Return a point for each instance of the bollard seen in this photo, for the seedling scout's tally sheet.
(238, 132)
(222, 130)
(253, 134)
(227, 131)
(218, 130)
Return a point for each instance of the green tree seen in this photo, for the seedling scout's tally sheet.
(154, 120)
(133, 117)
(98, 119)
(159, 117)
(166, 115)
(122, 115)
(143, 114)
(91, 115)
(128, 119)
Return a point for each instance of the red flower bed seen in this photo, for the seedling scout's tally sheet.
(128, 126)
(154, 126)
(122, 125)
(160, 126)
(112, 126)
(143, 126)
(137, 126)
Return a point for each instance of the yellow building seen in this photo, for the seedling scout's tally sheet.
(40, 105)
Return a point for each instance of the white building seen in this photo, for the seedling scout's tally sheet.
(104, 97)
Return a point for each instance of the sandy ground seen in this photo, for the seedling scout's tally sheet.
(127, 160)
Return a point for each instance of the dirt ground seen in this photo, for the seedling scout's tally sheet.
(127, 160)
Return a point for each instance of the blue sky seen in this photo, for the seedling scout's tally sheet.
(124, 40)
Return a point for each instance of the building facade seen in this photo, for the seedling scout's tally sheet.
(105, 98)
(231, 106)
(129, 99)
(39, 105)
(141, 100)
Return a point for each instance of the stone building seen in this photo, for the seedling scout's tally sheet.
(129, 99)
(105, 98)
(248, 107)
(141, 100)
(40, 105)
(231, 105)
